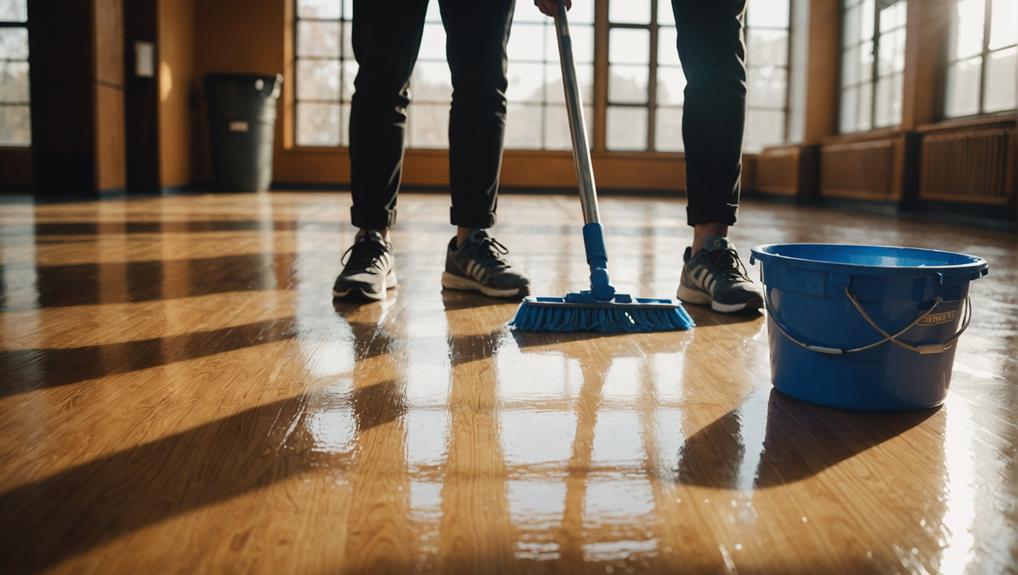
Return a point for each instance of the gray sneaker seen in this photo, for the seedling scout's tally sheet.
(367, 270)
(716, 276)
(480, 265)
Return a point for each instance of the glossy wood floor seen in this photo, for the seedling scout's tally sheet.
(179, 394)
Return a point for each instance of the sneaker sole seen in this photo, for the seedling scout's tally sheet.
(696, 297)
(390, 282)
(454, 282)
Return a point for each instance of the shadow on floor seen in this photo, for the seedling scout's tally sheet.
(154, 280)
(93, 228)
(24, 370)
(63, 515)
(801, 440)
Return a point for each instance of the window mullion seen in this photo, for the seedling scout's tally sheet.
(987, 14)
(788, 72)
(874, 45)
(652, 78)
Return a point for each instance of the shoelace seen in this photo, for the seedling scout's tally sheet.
(363, 255)
(728, 263)
(492, 252)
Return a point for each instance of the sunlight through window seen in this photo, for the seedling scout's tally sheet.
(982, 58)
(15, 116)
(872, 64)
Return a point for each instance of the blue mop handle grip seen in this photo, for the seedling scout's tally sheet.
(597, 259)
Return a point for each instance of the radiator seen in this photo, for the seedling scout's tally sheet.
(966, 166)
(864, 170)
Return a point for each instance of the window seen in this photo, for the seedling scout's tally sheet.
(872, 64)
(982, 57)
(430, 87)
(767, 51)
(537, 106)
(631, 27)
(325, 72)
(671, 84)
(15, 115)
(646, 91)
(645, 79)
(326, 69)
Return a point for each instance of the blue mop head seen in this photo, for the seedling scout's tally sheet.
(584, 313)
(600, 309)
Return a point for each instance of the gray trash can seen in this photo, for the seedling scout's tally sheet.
(242, 119)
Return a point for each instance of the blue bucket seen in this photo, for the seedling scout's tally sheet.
(868, 328)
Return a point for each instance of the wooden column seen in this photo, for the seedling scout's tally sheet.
(77, 96)
(600, 74)
(925, 54)
(823, 71)
(922, 94)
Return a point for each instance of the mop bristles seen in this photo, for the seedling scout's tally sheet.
(580, 312)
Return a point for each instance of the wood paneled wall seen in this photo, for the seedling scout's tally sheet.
(787, 171)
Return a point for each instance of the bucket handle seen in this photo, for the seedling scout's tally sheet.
(888, 337)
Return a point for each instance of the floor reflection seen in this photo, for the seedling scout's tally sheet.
(419, 434)
(378, 477)
(800, 441)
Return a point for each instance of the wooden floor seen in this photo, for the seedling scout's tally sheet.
(179, 394)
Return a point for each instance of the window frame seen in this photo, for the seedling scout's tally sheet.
(873, 82)
(297, 58)
(786, 108)
(27, 104)
(549, 60)
(652, 28)
(601, 28)
(984, 54)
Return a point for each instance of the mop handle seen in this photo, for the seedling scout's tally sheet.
(574, 107)
(593, 233)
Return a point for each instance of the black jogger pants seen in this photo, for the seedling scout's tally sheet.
(714, 114)
(386, 39)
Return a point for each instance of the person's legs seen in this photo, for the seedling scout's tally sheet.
(386, 40)
(710, 44)
(477, 34)
(713, 57)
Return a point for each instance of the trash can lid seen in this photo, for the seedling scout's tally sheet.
(242, 77)
(268, 84)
